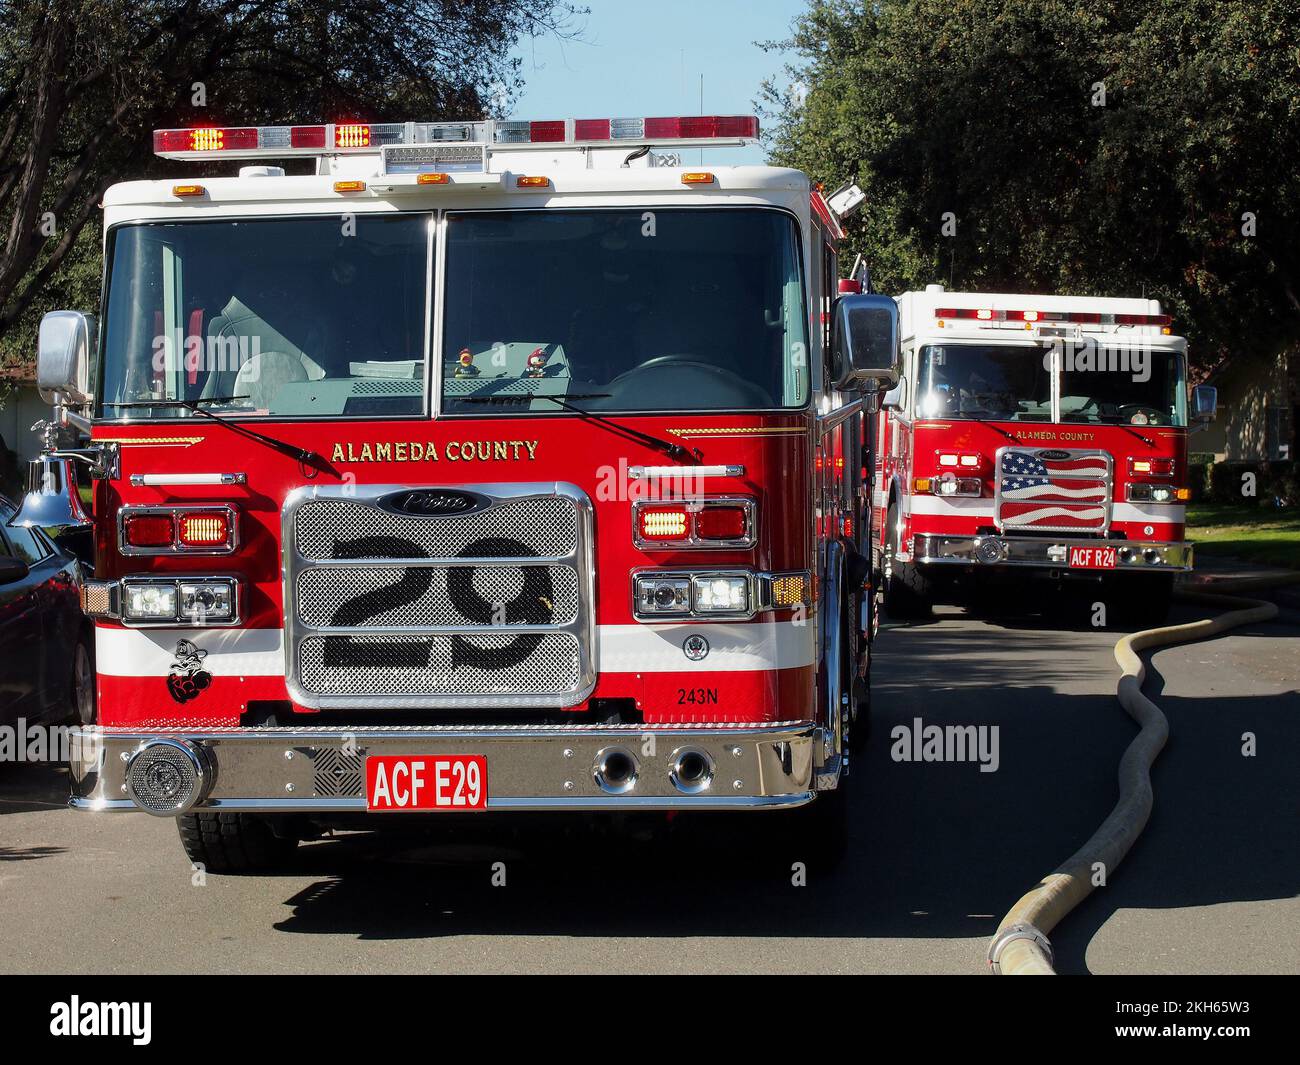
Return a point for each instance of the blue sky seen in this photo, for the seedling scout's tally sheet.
(646, 59)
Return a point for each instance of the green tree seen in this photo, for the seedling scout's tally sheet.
(1144, 147)
(84, 82)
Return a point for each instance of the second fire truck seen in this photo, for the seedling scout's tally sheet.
(1040, 437)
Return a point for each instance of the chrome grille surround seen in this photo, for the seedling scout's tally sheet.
(549, 660)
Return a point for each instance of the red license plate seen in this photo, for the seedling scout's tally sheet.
(426, 782)
(1092, 558)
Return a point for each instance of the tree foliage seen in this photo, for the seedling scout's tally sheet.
(84, 82)
(1142, 147)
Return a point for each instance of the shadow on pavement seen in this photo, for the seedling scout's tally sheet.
(26, 787)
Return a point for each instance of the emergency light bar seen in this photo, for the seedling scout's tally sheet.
(1031, 318)
(342, 138)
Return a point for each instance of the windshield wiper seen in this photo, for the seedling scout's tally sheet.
(987, 419)
(1129, 429)
(674, 451)
(303, 455)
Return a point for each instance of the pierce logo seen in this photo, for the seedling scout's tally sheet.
(188, 678)
(433, 502)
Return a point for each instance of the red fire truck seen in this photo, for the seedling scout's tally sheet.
(1034, 437)
(495, 465)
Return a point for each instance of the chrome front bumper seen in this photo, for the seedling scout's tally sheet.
(320, 770)
(1047, 553)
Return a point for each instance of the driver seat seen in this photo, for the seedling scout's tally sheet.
(272, 359)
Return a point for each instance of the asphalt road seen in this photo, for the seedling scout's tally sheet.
(939, 849)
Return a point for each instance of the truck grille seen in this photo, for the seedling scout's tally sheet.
(1053, 490)
(389, 605)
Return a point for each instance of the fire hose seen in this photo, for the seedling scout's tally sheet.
(1020, 946)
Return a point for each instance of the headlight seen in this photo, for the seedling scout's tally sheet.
(663, 595)
(150, 602)
(196, 600)
(948, 484)
(1157, 493)
(720, 595)
(207, 601)
(668, 596)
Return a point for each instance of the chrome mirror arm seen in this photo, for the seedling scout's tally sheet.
(102, 459)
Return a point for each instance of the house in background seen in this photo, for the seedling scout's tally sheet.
(1257, 413)
(21, 407)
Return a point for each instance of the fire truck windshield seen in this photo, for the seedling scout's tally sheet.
(620, 310)
(1115, 385)
(304, 317)
(623, 310)
(1000, 382)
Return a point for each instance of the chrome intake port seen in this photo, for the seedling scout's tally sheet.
(691, 770)
(1152, 556)
(1127, 554)
(615, 770)
(169, 777)
(989, 549)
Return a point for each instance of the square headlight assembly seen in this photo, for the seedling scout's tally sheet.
(720, 594)
(198, 601)
(1152, 493)
(207, 601)
(151, 601)
(663, 595)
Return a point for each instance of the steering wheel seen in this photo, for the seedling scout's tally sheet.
(683, 367)
(1155, 416)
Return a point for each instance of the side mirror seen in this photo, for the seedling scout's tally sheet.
(864, 342)
(12, 570)
(1205, 403)
(63, 356)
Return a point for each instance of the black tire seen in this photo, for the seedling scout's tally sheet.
(82, 703)
(233, 843)
(858, 687)
(907, 591)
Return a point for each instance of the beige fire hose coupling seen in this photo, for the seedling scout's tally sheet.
(1021, 946)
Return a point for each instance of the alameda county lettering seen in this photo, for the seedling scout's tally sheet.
(453, 451)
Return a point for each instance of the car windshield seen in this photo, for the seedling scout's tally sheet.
(984, 381)
(628, 310)
(1126, 386)
(277, 317)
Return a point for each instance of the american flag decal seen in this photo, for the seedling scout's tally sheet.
(1053, 490)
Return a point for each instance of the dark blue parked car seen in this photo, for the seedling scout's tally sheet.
(46, 645)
